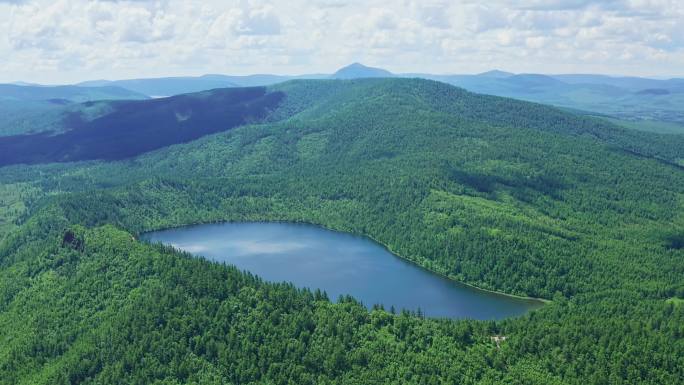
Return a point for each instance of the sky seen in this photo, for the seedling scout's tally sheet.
(60, 41)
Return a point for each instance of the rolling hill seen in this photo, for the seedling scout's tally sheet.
(503, 194)
(121, 129)
(32, 109)
(125, 128)
(642, 103)
(630, 99)
(65, 94)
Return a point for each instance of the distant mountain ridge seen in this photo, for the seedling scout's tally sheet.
(169, 86)
(628, 98)
(630, 82)
(166, 86)
(112, 130)
(24, 92)
(360, 71)
(496, 74)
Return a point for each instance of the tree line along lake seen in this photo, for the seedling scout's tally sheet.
(339, 264)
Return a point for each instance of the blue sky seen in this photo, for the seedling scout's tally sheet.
(63, 41)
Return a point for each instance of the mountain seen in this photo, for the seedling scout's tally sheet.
(169, 86)
(160, 87)
(359, 71)
(499, 193)
(33, 108)
(121, 129)
(129, 128)
(259, 80)
(626, 82)
(630, 99)
(13, 92)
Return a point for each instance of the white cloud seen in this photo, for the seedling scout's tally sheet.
(433, 15)
(62, 41)
(259, 21)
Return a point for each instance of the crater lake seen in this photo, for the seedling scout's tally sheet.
(339, 264)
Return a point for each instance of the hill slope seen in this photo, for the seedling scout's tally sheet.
(130, 128)
(31, 109)
(625, 98)
(121, 129)
(507, 195)
(65, 93)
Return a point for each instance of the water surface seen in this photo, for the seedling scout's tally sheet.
(313, 257)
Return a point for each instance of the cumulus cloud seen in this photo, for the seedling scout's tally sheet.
(257, 21)
(434, 16)
(60, 41)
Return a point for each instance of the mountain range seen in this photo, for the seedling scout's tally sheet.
(642, 103)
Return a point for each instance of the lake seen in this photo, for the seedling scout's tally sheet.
(339, 263)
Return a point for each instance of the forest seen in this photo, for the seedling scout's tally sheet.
(120, 129)
(501, 194)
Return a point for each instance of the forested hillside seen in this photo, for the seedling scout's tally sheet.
(639, 101)
(644, 103)
(506, 195)
(121, 129)
(31, 109)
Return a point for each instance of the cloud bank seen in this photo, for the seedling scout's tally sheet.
(63, 41)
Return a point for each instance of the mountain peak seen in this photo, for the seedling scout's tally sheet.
(358, 70)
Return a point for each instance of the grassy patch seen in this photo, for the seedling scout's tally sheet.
(675, 301)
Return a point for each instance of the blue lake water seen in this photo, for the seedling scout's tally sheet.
(339, 263)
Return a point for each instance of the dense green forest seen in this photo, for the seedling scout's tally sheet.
(122, 129)
(506, 195)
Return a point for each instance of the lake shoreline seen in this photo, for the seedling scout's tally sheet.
(542, 301)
